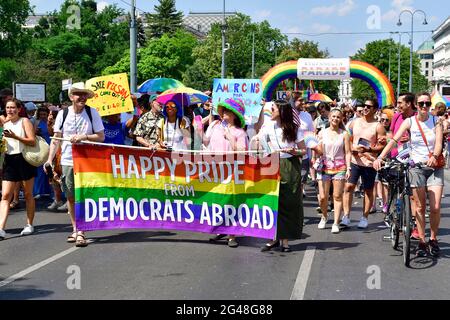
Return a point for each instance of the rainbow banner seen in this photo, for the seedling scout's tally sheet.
(123, 188)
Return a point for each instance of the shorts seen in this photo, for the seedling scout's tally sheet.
(16, 168)
(329, 177)
(367, 175)
(425, 176)
(305, 170)
(68, 181)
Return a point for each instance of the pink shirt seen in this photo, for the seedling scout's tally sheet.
(218, 142)
(397, 121)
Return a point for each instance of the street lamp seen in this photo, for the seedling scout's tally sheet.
(224, 27)
(399, 23)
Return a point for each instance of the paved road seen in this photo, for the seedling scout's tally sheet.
(140, 264)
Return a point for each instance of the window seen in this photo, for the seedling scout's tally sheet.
(427, 64)
(426, 73)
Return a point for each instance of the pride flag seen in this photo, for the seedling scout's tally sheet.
(122, 188)
(436, 97)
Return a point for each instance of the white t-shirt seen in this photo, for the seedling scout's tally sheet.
(306, 124)
(273, 134)
(76, 124)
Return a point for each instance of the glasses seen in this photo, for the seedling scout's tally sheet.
(171, 106)
(384, 120)
(368, 106)
(422, 103)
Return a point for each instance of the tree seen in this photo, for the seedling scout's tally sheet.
(13, 38)
(377, 54)
(166, 19)
(168, 56)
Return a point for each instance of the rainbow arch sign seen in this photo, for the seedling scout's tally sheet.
(358, 69)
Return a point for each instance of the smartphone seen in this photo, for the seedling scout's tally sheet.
(364, 142)
(49, 170)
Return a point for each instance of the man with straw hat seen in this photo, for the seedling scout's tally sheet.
(77, 123)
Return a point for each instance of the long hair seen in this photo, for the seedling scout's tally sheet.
(288, 125)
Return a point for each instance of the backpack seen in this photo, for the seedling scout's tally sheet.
(66, 112)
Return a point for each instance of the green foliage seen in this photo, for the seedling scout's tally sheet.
(13, 14)
(165, 20)
(7, 72)
(377, 54)
(167, 56)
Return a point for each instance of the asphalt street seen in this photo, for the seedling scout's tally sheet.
(158, 264)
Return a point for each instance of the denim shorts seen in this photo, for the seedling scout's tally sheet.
(367, 175)
(425, 176)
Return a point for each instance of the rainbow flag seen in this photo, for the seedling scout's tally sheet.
(436, 97)
(123, 188)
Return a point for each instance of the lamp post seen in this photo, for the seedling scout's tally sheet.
(223, 42)
(398, 64)
(133, 45)
(399, 23)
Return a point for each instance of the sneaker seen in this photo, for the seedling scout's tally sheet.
(385, 208)
(27, 230)
(415, 234)
(422, 250)
(322, 223)
(37, 197)
(363, 223)
(434, 247)
(345, 222)
(63, 207)
(55, 205)
(373, 210)
(2, 234)
(335, 228)
(319, 210)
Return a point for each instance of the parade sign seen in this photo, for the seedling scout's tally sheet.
(34, 92)
(282, 95)
(112, 94)
(249, 90)
(323, 69)
(123, 188)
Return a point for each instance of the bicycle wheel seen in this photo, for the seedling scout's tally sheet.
(406, 215)
(395, 235)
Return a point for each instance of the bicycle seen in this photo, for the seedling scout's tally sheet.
(399, 216)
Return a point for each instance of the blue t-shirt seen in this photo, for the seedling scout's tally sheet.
(115, 133)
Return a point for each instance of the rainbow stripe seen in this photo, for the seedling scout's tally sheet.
(436, 98)
(101, 183)
(358, 69)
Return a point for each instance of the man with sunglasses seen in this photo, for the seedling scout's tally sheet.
(367, 137)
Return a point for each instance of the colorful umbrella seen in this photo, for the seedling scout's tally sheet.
(182, 96)
(319, 97)
(436, 97)
(159, 85)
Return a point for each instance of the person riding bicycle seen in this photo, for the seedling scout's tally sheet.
(427, 174)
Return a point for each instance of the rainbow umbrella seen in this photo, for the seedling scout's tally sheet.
(319, 97)
(157, 85)
(182, 96)
(436, 98)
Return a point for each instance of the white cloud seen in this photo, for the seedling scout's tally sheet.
(293, 30)
(345, 8)
(317, 27)
(263, 14)
(398, 6)
(342, 9)
(102, 5)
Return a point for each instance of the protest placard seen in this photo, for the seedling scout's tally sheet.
(112, 94)
(248, 90)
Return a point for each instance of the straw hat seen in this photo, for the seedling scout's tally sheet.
(81, 88)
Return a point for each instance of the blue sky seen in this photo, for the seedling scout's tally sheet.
(312, 17)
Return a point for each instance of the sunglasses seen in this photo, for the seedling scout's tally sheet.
(171, 106)
(368, 106)
(384, 120)
(422, 103)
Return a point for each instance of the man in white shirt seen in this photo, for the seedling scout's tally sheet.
(76, 123)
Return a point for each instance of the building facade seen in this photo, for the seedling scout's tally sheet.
(425, 53)
(345, 91)
(441, 58)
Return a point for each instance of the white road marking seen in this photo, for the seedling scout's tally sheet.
(298, 293)
(37, 266)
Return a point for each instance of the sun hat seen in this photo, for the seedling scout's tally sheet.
(234, 105)
(80, 87)
(30, 106)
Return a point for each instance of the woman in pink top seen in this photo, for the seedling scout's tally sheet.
(227, 134)
(336, 154)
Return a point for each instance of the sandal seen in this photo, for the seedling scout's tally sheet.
(81, 240)
(14, 205)
(72, 238)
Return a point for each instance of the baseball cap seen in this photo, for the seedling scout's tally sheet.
(30, 106)
(153, 97)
